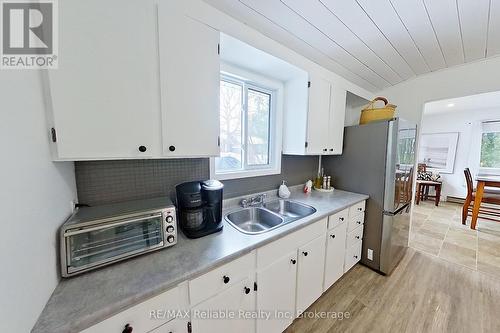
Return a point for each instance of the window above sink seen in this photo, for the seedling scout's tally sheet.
(252, 89)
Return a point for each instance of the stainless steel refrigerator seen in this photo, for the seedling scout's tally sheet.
(378, 160)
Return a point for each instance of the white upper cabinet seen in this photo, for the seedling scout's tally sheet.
(102, 96)
(189, 76)
(318, 117)
(131, 86)
(336, 120)
(314, 117)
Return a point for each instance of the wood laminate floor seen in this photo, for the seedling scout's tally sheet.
(423, 294)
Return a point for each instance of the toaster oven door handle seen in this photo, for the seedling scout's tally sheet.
(109, 225)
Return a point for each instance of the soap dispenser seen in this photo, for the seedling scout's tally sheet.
(283, 191)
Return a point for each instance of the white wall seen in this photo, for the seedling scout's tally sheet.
(468, 124)
(35, 196)
(469, 79)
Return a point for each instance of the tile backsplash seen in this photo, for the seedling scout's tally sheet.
(103, 182)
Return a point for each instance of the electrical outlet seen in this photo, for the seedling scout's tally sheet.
(370, 254)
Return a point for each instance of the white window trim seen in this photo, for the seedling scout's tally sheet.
(494, 127)
(277, 120)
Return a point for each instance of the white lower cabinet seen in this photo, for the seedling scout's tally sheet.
(147, 315)
(352, 256)
(335, 249)
(225, 311)
(262, 291)
(276, 291)
(310, 273)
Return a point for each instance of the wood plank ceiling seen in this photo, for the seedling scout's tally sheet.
(377, 43)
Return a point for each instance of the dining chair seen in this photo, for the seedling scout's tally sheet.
(490, 197)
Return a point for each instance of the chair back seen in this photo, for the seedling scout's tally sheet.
(422, 167)
(468, 181)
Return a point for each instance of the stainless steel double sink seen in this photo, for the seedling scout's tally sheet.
(269, 216)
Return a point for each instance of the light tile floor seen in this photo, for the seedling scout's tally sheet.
(439, 231)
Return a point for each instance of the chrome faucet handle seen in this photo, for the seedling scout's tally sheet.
(244, 203)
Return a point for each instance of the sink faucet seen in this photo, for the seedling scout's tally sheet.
(257, 200)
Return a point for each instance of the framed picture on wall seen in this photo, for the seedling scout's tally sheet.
(437, 151)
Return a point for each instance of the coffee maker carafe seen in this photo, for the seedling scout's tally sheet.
(199, 205)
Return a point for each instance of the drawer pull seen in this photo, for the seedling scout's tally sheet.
(247, 290)
(225, 279)
(305, 253)
(332, 236)
(293, 261)
(128, 329)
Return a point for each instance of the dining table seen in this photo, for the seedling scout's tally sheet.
(483, 180)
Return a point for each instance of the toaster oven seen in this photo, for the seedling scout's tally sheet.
(97, 236)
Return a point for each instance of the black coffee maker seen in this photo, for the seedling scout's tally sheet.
(199, 205)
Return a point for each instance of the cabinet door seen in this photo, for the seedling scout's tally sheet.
(276, 291)
(318, 116)
(205, 317)
(310, 273)
(104, 92)
(189, 75)
(335, 254)
(337, 117)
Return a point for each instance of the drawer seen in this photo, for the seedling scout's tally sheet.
(337, 218)
(271, 252)
(145, 316)
(352, 256)
(355, 222)
(354, 236)
(357, 208)
(215, 281)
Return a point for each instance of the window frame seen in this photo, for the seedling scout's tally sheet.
(487, 170)
(253, 81)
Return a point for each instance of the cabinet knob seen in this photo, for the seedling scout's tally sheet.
(171, 148)
(332, 236)
(293, 261)
(360, 209)
(358, 222)
(142, 149)
(225, 279)
(357, 237)
(355, 257)
(325, 149)
(341, 218)
(247, 290)
(128, 329)
(305, 253)
(331, 149)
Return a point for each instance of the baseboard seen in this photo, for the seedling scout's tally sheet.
(455, 200)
